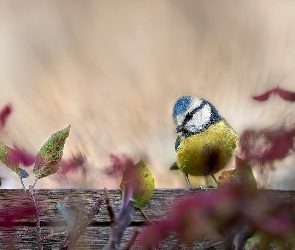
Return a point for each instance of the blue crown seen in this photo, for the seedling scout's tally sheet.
(181, 105)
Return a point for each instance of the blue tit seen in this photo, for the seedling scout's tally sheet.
(205, 141)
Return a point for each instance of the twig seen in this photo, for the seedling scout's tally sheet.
(119, 223)
(38, 227)
(211, 244)
(109, 207)
(36, 179)
(174, 246)
(133, 239)
(73, 232)
(80, 226)
(144, 215)
(24, 187)
(51, 235)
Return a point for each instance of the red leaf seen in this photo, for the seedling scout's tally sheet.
(284, 94)
(263, 97)
(4, 114)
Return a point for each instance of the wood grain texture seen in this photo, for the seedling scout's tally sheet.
(23, 234)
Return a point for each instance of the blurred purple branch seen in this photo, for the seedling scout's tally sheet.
(72, 164)
(120, 222)
(118, 165)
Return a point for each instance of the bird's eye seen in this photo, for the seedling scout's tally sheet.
(188, 116)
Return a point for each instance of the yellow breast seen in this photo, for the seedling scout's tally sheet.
(207, 152)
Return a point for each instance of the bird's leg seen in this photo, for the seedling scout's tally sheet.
(214, 178)
(189, 184)
(187, 181)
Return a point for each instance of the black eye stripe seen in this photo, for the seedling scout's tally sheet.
(190, 114)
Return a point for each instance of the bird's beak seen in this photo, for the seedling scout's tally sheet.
(179, 128)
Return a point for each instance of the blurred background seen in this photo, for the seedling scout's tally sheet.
(113, 70)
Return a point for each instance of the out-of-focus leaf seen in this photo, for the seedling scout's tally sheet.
(151, 236)
(266, 145)
(118, 164)
(18, 155)
(241, 175)
(4, 114)
(49, 156)
(144, 185)
(284, 94)
(4, 151)
(8, 217)
(75, 163)
(69, 214)
(253, 242)
(65, 212)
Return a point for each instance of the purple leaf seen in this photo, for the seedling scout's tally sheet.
(284, 94)
(4, 114)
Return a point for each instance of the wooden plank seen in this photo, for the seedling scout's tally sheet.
(97, 234)
(94, 238)
(84, 199)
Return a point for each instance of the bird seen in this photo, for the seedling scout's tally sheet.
(205, 141)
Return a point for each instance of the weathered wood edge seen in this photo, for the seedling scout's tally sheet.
(96, 235)
(156, 208)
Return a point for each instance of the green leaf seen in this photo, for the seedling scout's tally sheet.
(49, 156)
(4, 151)
(144, 184)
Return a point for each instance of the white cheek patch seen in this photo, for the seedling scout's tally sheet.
(199, 120)
(179, 119)
(196, 103)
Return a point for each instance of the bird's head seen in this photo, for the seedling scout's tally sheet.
(193, 115)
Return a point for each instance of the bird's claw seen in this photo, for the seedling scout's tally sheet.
(198, 188)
